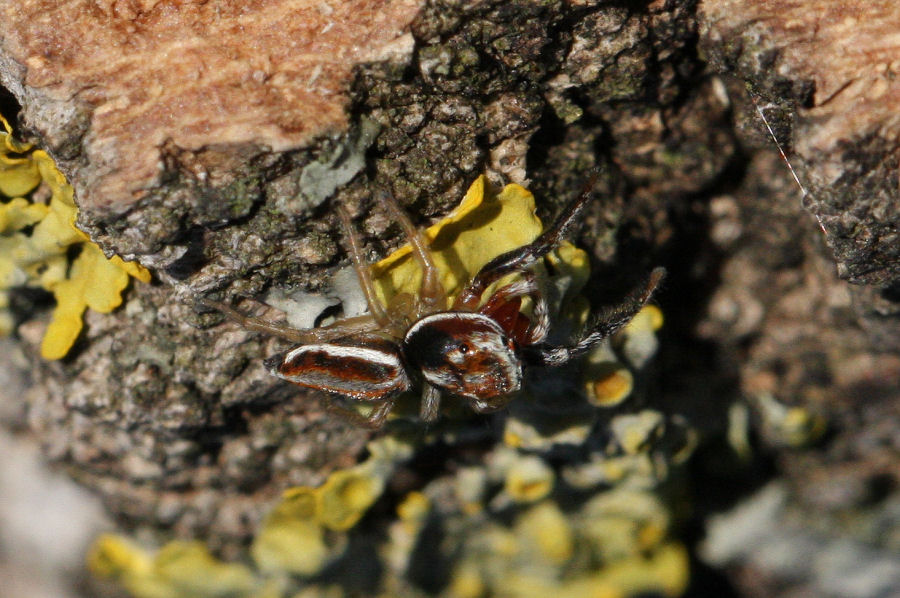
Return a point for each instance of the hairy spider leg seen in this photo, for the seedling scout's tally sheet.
(345, 327)
(526, 287)
(492, 406)
(431, 292)
(609, 322)
(353, 247)
(511, 319)
(373, 421)
(376, 318)
(522, 257)
(431, 402)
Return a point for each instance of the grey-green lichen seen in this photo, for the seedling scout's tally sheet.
(320, 179)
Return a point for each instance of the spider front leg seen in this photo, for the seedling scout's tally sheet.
(345, 327)
(498, 307)
(609, 322)
(373, 421)
(432, 295)
(519, 259)
(353, 247)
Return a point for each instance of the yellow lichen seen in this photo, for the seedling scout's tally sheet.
(608, 383)
(738, 430)
(178, 569)
(470, 486)
(467, 582)
(572, 270)
(291, 538)
(547, 529)
(789, 425)
(93, 282)
(530, 428)
(615, 545)
(296, 538)
(36, 242)
(414, 508)
(484, 225)
(636, 432)
(347, 495)
(663, 572)
(529, 479)
(297, 535)
(403, 533)
(639, 335)
(18, 175)
(614, 523)
(649, 318)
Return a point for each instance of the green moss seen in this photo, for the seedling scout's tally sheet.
(240, 196)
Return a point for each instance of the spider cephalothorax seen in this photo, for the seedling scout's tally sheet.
(475, 349)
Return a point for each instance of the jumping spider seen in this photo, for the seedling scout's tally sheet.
(475, 350)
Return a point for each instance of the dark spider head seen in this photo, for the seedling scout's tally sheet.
(465, 354)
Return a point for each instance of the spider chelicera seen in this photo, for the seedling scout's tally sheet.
(474, 349)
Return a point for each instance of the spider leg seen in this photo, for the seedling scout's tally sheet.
(526, 287)
(523, 257)
(492, 406)
(431, 403)
(354, 249)
(431, 292)
(373, 421)
(363, 323)
(609, 322)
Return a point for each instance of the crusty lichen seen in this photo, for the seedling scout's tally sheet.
(37, 239)
(528, 538)
(302, 535)
(483, 226)
(178, 569)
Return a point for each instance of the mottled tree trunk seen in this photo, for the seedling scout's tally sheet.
(209, 141)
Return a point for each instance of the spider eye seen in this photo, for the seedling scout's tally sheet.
(463, 348)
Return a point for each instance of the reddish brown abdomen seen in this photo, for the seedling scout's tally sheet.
(364, 367)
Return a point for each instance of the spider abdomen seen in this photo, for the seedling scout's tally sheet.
(366, 367)
(464, 353)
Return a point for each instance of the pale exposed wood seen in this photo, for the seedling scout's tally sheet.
(123, 79)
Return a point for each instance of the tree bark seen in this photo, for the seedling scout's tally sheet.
(209, 140)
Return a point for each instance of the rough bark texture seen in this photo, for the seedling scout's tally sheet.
(183, 427)
(145, 104)
(824, 75)
(832, 68)
(212, 162)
